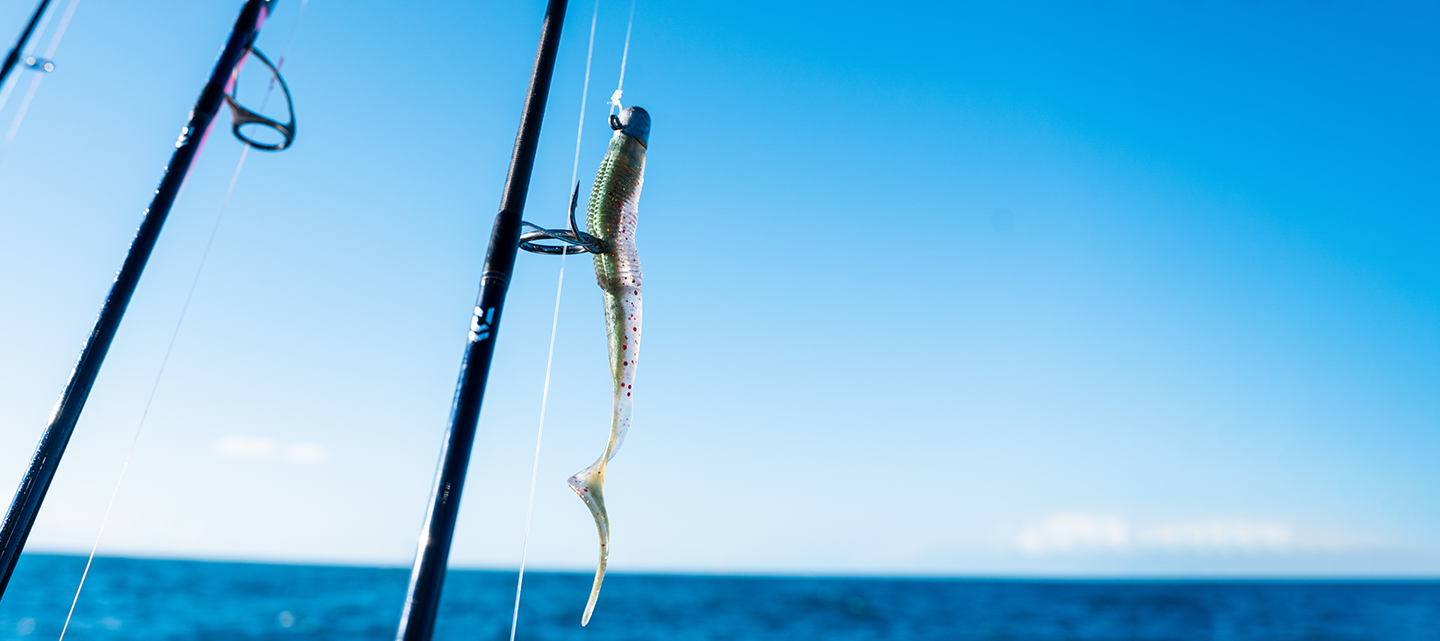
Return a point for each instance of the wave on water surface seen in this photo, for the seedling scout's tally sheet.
(157, 599)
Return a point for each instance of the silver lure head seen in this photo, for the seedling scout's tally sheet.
(633, 122)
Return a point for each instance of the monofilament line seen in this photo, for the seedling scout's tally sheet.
(179, 322)
(624, 56)
(153, 388)
(535, 466)
(554, 325)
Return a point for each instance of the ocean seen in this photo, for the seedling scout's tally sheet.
(193, 600)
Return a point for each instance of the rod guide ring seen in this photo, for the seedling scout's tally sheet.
(241, 116)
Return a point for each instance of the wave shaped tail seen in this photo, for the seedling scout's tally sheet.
(589, 484)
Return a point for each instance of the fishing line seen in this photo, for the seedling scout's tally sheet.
(624, 56)
(35, 82)
(539, 435)
(554, 325)
(280, 62)
(153, 388)
(179, 323)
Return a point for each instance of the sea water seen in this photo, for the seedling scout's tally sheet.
(155, 599)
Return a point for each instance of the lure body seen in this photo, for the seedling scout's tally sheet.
(612, 215)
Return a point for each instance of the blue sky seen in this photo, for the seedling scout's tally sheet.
(1099, 289)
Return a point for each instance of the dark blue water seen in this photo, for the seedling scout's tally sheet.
(147, 599)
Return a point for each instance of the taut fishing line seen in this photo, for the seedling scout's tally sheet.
(624, 56)
(554, 325)
(179, 322)
(580, 240)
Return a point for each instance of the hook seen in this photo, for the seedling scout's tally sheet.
(573, 240)
(242, 116)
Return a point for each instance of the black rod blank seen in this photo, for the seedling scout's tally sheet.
(417, 620)
(9, 65)
(26, 505)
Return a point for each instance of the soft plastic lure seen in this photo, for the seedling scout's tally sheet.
(614, 208)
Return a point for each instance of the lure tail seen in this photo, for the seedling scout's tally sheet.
(589, 483)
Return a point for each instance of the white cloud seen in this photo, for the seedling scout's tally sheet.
(1066, 532)
(1081, 532)
(306, 453)
(1219, 535)
(247, 448)
(259, 448)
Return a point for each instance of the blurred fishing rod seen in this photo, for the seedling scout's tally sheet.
(219, 88)
(14, 58)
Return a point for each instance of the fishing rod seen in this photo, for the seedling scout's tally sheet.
(219, 88)
(14, 58)
(422, 598)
